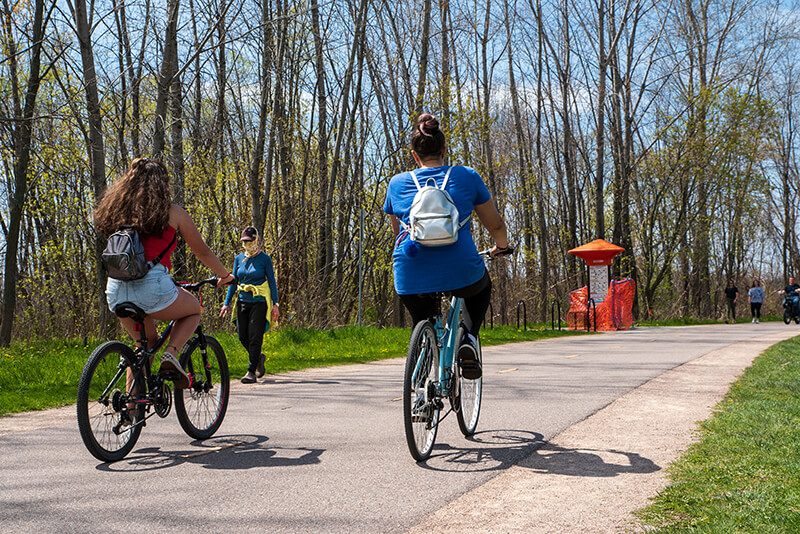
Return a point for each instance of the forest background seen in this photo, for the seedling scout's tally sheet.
(664, 126)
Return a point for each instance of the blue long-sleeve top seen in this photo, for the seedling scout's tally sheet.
(255, 271)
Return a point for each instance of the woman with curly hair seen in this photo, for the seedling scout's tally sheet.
(142, 198)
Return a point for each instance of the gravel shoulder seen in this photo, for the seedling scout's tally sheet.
(594, 475)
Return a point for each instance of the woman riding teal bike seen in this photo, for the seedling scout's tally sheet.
(423, 272)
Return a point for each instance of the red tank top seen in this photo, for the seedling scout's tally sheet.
(153, 246)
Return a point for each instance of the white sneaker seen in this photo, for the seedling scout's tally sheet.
(169, 364)
(756, 321)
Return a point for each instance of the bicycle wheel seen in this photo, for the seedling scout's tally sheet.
(201, 407)
(468, 400)
(787, 316)
(420, 406)
(101, 398)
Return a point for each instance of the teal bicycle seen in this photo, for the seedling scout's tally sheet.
(432, 375)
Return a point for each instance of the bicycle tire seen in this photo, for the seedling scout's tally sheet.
(98, 416)
(469, 396)
(420, 414)
(787, 317)
(201, 407)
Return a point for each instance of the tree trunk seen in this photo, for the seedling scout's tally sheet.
(23, 134)
(602, 62)
(168, 69)
(96, 149)
(423, 57)
(324, 230)
(259, 216)
(540, 197)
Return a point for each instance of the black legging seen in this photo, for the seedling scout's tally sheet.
(251, 319)
(476, 301)
(755, 309)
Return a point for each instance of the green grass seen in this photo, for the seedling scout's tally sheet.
(744, 473)
(44, 374)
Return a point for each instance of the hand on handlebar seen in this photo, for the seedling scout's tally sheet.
(228, 280)
(496, 251)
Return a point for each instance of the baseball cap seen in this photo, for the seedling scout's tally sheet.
(249, 234)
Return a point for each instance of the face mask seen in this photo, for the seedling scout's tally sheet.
(249, 246)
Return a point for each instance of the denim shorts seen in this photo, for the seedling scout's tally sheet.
(152, 293)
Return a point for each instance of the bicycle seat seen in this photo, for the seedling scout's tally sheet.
(129, 309)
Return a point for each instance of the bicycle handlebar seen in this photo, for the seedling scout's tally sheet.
(507, 252)
(196, 286)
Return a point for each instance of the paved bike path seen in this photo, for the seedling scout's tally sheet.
(323, 450)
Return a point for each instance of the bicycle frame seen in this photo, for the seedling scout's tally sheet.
(143, 358)
(446, 344)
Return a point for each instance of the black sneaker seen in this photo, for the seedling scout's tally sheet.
(468, 359)
(260, 367)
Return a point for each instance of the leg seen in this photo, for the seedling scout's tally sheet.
(421, 307)
(257, 323)
(475, 310)
(186, 313)
(243, 324)
(476, 301)
(132, 327)
(758, 311)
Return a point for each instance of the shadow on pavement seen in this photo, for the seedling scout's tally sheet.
(556, 460)
(489, 450)
(222, 452)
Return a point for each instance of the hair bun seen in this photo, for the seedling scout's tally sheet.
(428, 124)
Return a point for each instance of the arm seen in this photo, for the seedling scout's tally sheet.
(395, 224)
(226, 306)
(273, 286)
(181, 221)
(490, 218)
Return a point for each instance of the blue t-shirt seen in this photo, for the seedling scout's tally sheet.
(756, 294)
(419, 269)
(255, 271)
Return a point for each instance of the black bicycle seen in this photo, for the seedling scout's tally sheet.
(111, 414)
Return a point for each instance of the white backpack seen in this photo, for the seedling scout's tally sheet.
(433, 220)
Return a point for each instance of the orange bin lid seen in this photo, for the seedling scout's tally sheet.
(598, 252)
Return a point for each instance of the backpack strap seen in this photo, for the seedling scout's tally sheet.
(157, 259)
(413, 174)
(446, 177)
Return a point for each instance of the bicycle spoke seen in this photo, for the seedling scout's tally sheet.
(201, 407)
(421, 412)
(102, 403)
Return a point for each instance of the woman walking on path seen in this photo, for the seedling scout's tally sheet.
(755, 295)
(256, 300)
